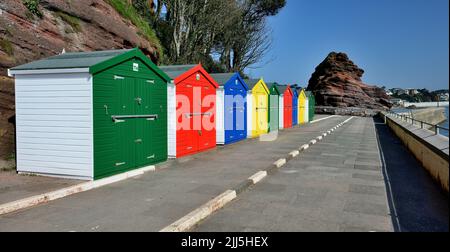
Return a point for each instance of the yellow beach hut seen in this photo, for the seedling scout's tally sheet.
(302, 107)
(257, 108)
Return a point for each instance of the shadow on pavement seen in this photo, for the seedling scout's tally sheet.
(417, 203)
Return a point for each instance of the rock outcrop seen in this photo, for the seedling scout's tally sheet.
(337, 83)
(87, 25)
(7, 117)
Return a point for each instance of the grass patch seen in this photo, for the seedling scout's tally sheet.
(33, 7)
(129, 12)
(11, 157)
(6, 46)
(74, 22)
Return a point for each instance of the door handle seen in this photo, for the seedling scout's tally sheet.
(151, 157)
(138, 141)
(200, 133)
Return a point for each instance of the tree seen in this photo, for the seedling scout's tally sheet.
(250, 38)
(225, 35)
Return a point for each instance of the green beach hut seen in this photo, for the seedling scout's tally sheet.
(90, 115)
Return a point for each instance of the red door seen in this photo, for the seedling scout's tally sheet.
(196, 112)
(288, 109)
(186, 139)
(207, 136)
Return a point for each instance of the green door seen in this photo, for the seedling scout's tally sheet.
(274, 113)
(131, 129)
(150, 132)
(124, 128)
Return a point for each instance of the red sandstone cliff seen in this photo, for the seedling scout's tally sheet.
(86, 25)
(337, 83)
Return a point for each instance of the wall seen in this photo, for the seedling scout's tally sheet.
(54, 124)
(171, 120)
(220, 115)
(430, 149)
(425, 104)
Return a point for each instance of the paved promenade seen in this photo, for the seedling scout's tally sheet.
(155, 200)
(342, 183)
(336, 185)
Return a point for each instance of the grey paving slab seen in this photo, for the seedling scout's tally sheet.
(365, 189)
(327, 193)
(155, 200)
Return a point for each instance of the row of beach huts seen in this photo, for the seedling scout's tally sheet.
(91, 115)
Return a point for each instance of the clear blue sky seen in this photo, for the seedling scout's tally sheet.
(399, 43)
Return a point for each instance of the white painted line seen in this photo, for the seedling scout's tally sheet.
(61, 193)
(313, 142)
(325, 134)
(304, 147)
(321, 119)
(190, 220)
(329, 132)
(258, 177)
(319, 138)
(280, 163)
(294, 153)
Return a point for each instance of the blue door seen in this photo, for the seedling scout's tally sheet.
(295, 108)
(235, 112)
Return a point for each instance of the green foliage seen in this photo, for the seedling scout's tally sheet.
(129, 12)
(33, 7)
(12, 156)
(74, 22)
(6, 46)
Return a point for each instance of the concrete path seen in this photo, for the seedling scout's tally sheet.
(155, 200)
(418, 202)
(336, 185)
(15, 187)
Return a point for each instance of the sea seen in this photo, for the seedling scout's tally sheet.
(445, 124)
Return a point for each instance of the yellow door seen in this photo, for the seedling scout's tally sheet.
(301, 108)
(260, 111)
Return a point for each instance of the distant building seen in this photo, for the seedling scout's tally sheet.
(412, 91)
(397, 102)
(398, 91)
(444, 97)
(389, 93)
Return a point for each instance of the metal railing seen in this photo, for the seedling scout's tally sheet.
(434, 127)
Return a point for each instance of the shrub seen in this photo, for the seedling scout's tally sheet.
(129, 12)
(33, 7)
(74, 22)
(6, 46)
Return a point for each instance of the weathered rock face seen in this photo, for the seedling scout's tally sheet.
(87, 25)
(337, 83)
(6, 117)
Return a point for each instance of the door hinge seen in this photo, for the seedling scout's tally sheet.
(151, 157)
(118, 121)
(139, 100)
(116, 77)
(120, 164)
(151, 81)
(138, 141)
